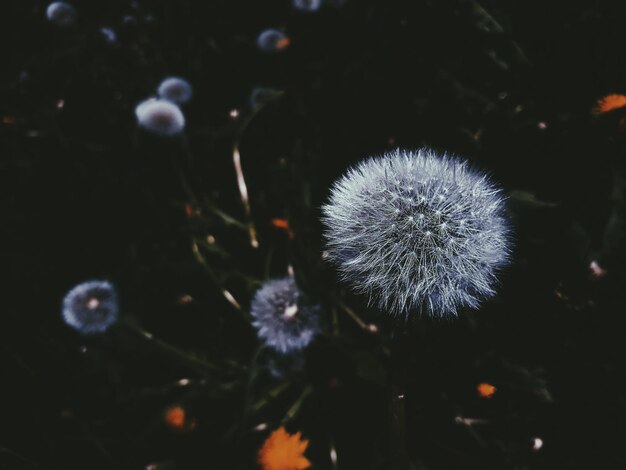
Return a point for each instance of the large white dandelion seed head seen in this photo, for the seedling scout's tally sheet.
(61, 14)
(175, 89)
(418, 233)
(91, 307)
(160, 117)
(283, 318)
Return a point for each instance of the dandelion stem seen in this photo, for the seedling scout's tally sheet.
(243, 192)
(295, 408)
(200, 258)
(397, 407)
(241, 182)
(273, 393)
(21, 458)
(480, 10)
(352, 315)
(227, 219)
(170, 348)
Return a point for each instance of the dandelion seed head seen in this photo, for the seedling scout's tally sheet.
(160, 117)
(307, 5)
(175, 89)
(418, 233)
(283, 318)
(61, 14)
(91, 307)
(108, 34)
(272, 40)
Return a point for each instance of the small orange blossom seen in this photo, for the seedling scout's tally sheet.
(609, 103)
(283, 451)
(176, 419)
(486, 390)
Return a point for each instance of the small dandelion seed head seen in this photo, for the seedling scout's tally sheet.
(272, 40)
(160, 117)
(61, 14)
(108, 34)
(444, 249)
(175, 89)
(91, 307)
(307, 5)
(283, 318)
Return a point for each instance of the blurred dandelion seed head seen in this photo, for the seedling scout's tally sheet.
(160, 117)
(175, 89)
(284, 320)
(91, 307)
(108, 34)
(418, 233)
(61, 14)
(272, 40)
(307, 5)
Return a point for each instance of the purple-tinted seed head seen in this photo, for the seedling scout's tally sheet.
(91, 307)
(108, 34)
(307, 5)
(283, 318)
(61, 14)
(417, 233)
(175, 89)
(160, 117)
(272, 40)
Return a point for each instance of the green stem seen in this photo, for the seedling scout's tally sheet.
(295, 408)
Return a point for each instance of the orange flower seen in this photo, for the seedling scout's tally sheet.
(283, 451)
(284, 225)
(176, 419)
(486, 390)
(609, 103)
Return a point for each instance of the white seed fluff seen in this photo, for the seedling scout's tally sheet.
(175, 89)
(272, 41)
(160, 117)
(283, 318)
(61, 14)
(307, 5)
(91, 307)
(418, 233)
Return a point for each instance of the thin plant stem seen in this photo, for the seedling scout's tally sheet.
(355, 317)
(245, 200)
(164, 346)
(241, 182)
(227, 219)
(397, 402)
(21, 458)
(227, 295)
(273, 393)
(295, 408)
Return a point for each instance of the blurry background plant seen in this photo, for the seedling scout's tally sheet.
(173, 222)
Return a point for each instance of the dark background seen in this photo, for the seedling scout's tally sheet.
(85, 194)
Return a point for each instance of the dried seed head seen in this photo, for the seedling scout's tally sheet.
(417, 232)
(160, 117)
(283, 318)
(91, 307)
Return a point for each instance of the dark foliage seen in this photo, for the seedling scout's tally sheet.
(86, 194)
